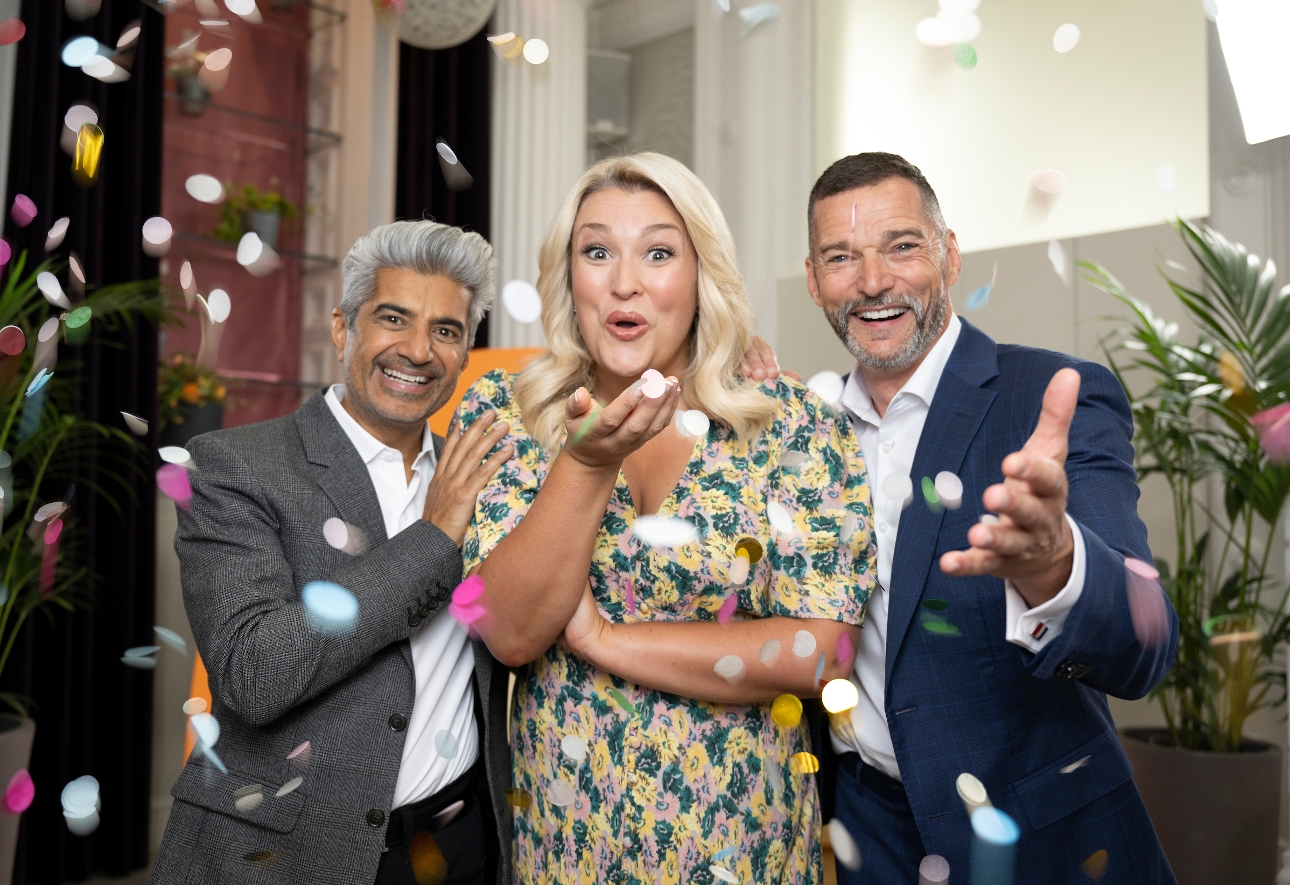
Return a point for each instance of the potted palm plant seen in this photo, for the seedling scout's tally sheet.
(42, 443)
(1213, 793)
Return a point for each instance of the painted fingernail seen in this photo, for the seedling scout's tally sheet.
(987, 538)
(637, 385)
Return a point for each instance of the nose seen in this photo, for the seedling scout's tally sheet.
(417, 349)
(872, 277)
(624, 281)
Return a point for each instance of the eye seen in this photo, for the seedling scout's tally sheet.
(658, 254)
(596, 253)
(447, 333)
(905, 247)
(391, 319)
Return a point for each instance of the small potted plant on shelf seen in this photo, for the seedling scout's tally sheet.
(251, 209)
(1205, 419)
(184, 65)
(190, 400)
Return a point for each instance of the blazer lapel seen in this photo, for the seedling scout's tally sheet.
(957, 410)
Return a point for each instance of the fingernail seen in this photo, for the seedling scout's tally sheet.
(1005, 500)
(636, 386)
(987, 538)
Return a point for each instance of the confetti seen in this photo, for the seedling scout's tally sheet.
(561, 793)
(144, 663)
(172, 480)
(827, 385)
(971, 791)
(630, 593)
(769, 651)
(728, 607)
(981, 296)
(665, 531)
(12, 341)
(786, 711)
(429, 866)
(1076, 765)
(739, 570)
(174, 455)
(1057, 258)
(729, 668)
(330, 607)
(939, 626)
(655, 384)
(803, 643)
(11, 31)
(89, 150)
(1065, 37)
(74, 265)
(266, 859)
(1146, 600)
(536, 52)
(454, 174)
(54, 238)
(23, 210)
(575, 747)
(819, 671)
(779, 518)
(247, 804)
(20, 792)
(193, 706)
(336, 532)
(172, 639)
(53, 292)
(129, 34)
(6, 252)
(465, 605)
(934, 870)
(965, 56)
(522, 302)
(840, 695)
(803, 763)
(792, 461)
(218, 60)
(301, 753)
(445, 744)
(758, 14)
(81, 803)
(80, 10)
(949, 489)
(519, 798)
(994, 827)
(142, 650)
(82, 824)
(1049, 181)
(844, 847)
(695, 422)
(1094, 866)
(750, 548)
(720, 872)
(256, 256)
(78, 49)
(1272, 427)
(898, 487)
(948, 29)
(621, 700)
(1166, 178)
(206, 728)
(204, 188)
(724, 853)
(929, 495)
(77, 325)
(845, 650)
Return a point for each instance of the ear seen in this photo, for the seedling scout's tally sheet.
(953, 259)
(339, 333)
(812, 285)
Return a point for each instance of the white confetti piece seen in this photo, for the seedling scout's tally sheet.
(522, 301)
(1074, 766)
(289, 787)
(445, 744)
(803, 643)
(665, 531)
(730, 667)
(174, 455)
(828, 386)
(575, 747)
(949, 488)
(769, 651)
(779, 518)
(561, 793)
(844, 847)
(1065, 37)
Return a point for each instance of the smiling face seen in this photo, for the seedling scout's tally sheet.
(882, 274)
(635, 278)
(405, 351)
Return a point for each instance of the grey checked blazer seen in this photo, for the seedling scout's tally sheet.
(252, 540)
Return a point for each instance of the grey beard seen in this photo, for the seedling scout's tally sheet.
(929, 322)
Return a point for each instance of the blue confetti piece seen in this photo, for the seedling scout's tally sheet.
(977, 299)
(330, 607)
(39, 381)
(819, 669)
(724, 853)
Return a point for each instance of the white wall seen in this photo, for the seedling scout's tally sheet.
(1127, 99)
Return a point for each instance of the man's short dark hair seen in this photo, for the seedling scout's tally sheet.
(865, 170)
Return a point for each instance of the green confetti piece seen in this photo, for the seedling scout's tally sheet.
(929, 495)
(621, 700)
(585, 427)
(965, 56)
(936, 605)
(939, 627)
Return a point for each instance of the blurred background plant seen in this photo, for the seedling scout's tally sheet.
(45, 444)
(251, 209)
(183, 386)
(1215, 411)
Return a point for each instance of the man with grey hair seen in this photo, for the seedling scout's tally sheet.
(358, 732)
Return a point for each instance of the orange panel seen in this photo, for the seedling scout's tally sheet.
(200, 689)
(482, 361)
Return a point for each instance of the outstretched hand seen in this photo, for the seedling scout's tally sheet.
(603, 437)
(1031, 545)
(464, 468)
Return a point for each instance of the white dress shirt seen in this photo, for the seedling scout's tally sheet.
(443, 661)
(889, 443)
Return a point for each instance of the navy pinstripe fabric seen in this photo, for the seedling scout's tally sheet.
(976, 703)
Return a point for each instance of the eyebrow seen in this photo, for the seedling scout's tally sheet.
(437, 321)
(887, 237)
(653, 228)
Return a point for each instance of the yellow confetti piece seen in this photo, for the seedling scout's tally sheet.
(786, 711)
(1094, 866)
(1231, 373)
(803, 763)
(89, 150)
(749, 548)
(519, 798)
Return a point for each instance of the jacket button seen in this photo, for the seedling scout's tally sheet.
(413, 620)
(397, 722)
(424, 610)
(375, 817)
(442, 594)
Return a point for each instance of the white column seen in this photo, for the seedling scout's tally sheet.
(752, 140)
(539, 142)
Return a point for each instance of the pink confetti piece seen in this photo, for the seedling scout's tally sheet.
(301, 753)
(844, 650)
(467, 614)
(6, 252)
(173, 482)
(727, 609)
(11, 31)
(20, 793)
(53, 530)
(468, 591)
(23, 212)
(1272, 426)
(49, 557)
(631, 598)
(12, 339)
(655, 384)
(1146, 603)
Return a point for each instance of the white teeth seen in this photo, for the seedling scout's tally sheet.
(399, 376)
(886, 313)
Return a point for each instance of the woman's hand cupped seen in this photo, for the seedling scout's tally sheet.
(603, 437)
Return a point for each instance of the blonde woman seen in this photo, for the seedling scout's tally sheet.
(642, 727)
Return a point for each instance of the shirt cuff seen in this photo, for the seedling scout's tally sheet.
(1034, 628)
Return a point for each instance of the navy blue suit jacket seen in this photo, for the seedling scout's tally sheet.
(977, 703)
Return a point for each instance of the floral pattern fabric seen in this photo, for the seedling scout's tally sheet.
(670, 786)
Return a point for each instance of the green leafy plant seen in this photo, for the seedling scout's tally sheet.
(1192, 427)
(181, 385)
(44, 443)
(239, 204)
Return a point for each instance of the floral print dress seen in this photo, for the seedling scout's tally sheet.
(626, 785)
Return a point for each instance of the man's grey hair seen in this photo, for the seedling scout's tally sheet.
(426, 247)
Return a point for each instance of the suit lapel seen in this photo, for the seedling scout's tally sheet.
(958, 407)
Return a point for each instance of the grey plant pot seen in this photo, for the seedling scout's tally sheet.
(193, 96)
(201, 419)
(1217, 814)
(16, 735)
(265, 224)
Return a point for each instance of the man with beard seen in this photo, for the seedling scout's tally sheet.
(369, 726)
(997, 663)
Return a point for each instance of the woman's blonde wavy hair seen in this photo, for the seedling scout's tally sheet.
(723, 326)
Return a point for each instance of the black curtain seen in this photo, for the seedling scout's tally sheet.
(94, 715)
(445, 95)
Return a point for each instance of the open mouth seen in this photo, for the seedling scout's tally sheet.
(406, 378)
(889, 313)
(626, 325)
